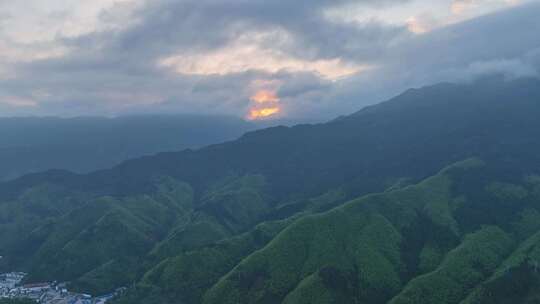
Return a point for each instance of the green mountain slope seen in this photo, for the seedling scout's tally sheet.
(100, 232)
(404, 246)
(342, 212)
(102, 242)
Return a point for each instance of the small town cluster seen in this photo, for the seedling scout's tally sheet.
(46, 293)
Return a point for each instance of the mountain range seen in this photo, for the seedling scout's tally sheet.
(430, 197)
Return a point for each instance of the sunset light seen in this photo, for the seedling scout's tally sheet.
(255, 114)
(265, 104)
(265, 96)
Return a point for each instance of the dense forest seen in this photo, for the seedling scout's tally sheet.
(430, 197)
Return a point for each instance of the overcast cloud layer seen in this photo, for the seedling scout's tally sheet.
(249, 58)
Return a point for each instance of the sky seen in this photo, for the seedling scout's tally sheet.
(255, 59)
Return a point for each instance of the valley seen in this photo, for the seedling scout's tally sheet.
(46, 293)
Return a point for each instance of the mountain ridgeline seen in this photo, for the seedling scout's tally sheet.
(85, 144)
(431, 197)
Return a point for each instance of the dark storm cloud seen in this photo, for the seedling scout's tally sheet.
(199, 25)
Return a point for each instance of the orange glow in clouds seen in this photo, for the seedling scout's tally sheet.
(265, 96)
(263, 113)
(266, 104)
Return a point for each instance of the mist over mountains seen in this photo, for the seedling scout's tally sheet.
(85, 144)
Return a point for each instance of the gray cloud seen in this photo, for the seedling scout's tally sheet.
(116, 71)
(504, 43)
(199, 25)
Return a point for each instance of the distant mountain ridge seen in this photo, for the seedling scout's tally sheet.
(419, 131)
(85, 144)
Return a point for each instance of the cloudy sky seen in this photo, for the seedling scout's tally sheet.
(251, 58)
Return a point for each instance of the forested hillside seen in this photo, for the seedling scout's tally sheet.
(434, 194)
